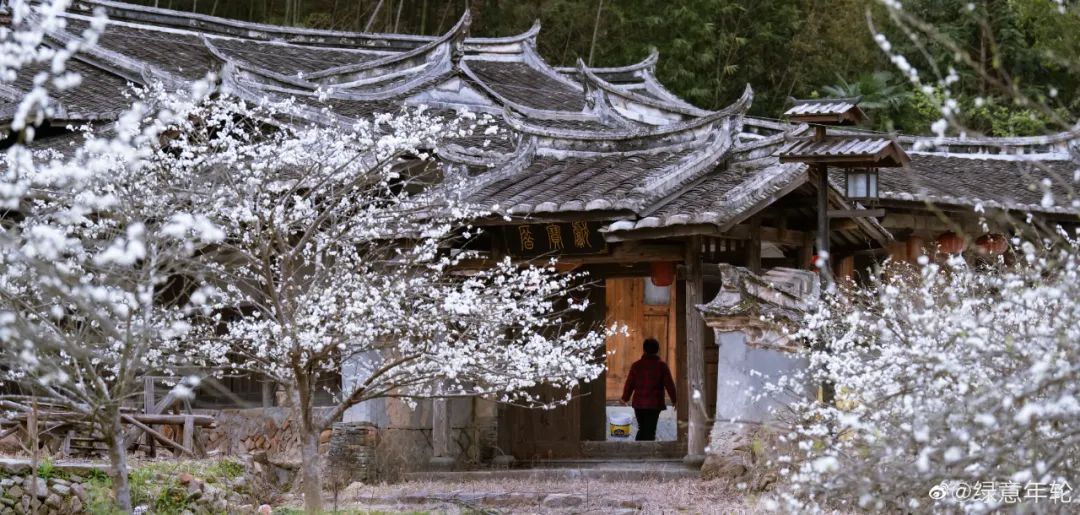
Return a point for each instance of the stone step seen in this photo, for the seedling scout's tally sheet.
(598, 473)
(584, 463)
(632, 449)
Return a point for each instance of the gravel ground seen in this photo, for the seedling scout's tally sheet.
(513, 496)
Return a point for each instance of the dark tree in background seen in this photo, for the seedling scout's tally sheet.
(784, 48)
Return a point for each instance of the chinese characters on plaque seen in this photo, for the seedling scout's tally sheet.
(556, 238)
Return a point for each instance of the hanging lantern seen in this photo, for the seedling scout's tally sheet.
(992, 244)
(662, 273)
(950, 243)
(862, 183)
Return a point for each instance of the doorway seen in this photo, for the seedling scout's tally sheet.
(647, 311)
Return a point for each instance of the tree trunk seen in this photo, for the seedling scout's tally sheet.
(310, 470)
(118, 462)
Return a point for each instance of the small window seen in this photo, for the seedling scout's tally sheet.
(656, 295)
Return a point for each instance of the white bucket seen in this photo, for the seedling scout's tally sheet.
(619, 424)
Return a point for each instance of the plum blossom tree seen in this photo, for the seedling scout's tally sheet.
(347, 245)
(951, 380)
(87, 249)
(956, 382)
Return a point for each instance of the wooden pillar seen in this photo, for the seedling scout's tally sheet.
(189, 433)
(822, 209)
(149, 408)
(845, 267)
(828, 391)
(697, 432)
(806, 252)
(440, 433)
(753, 246)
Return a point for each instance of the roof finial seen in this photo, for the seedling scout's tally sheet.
(457, 39)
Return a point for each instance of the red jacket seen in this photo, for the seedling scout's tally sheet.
(648, 378)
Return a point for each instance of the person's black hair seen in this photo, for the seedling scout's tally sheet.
(651, 346)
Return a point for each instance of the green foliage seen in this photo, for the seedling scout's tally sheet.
(99, 500)
(225, 469)
(47, 469)
(157, 486)
(885, 98)
(995, 119)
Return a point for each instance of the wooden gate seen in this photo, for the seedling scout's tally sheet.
(627, 304)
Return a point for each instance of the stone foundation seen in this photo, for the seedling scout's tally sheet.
(241, 432)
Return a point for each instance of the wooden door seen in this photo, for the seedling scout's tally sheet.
(627, 305)
(540, 434)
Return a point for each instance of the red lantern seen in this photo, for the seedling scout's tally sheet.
(950, 243)
(992, 244)
(663, 273)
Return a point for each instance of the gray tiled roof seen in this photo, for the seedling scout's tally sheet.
(1010, 182)
(580, 183)
(100, 95)
(524, 84)
(576, 139)
(821, 107)
(836, 147)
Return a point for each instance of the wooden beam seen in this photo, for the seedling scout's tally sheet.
(697, 433)
(781, 235)
(539, 218)
(856, 213)
(162, 438)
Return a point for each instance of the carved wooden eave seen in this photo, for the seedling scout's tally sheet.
(756, 304)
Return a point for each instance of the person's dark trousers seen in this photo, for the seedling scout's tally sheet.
(646, 423)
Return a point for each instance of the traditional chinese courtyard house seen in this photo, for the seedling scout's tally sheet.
(611, 173)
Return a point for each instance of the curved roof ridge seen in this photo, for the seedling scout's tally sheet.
(117, 64)
(738, 108)
(544, 114)
(532, 58)
(428, 73)
(931, 142)
(590, 78)
(997, 141)
(454, 37)
(648, 63)
(146, 15)
(341, 39)
(515, 163)
(529, 34)
(722, 142)
(654, 86)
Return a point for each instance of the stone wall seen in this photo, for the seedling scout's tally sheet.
(241, 432)
(23, 495)
(754, 352)
(405, 432)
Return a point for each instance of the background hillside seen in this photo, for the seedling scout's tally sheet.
(803, 48)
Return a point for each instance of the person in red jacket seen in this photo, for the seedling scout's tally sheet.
(648, 378)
